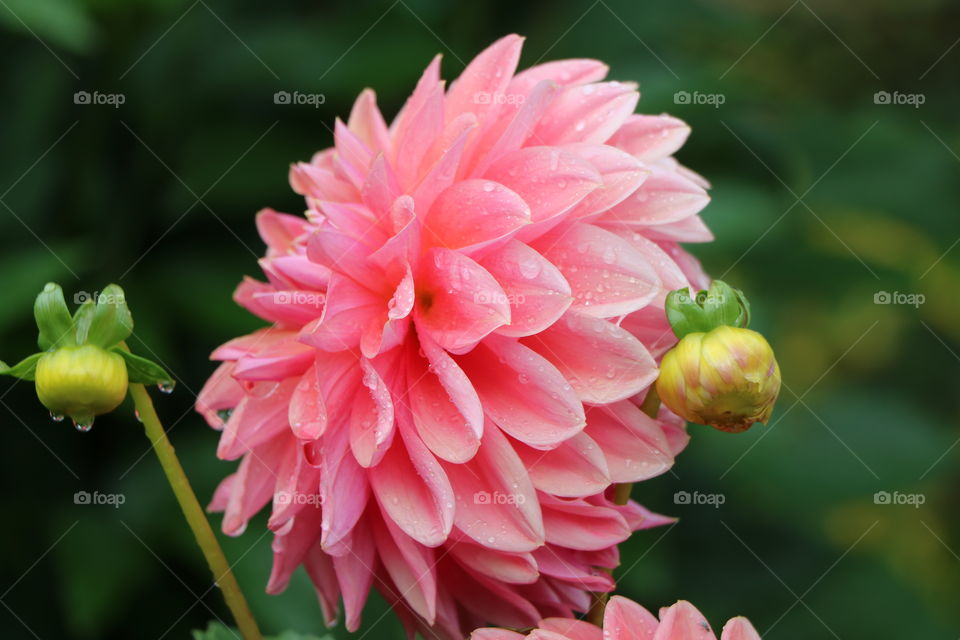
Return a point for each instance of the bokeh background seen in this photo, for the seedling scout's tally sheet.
(825, 196)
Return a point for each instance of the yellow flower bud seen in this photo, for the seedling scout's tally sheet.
(727, 378)
(81, 382)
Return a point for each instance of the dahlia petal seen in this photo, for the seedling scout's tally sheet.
(265, 301)
(602, 361)
(414, 139)
(353, 220)
(622, 175)
(739, 629)
(371, 420)
(663, 198)
(343, 254)
(220, 393)
(460, 302)
(572, 629)
(523, 393)
(403, 247)
(344, 489)
(261, 415)
(413, 491)
(496, 470)
(350, 309)
(410, 566)
(280, 230)
(381, 188)
(575, 524)
(290, 549)
(575, 469)
(536, 290)
(492, 600)
(633, 443)
(296, 481)
(650, 138)
(563, 72)
(588, 113)
(607, 275)
(355, 575)
(511, 568)
(574, 567)
(475, 213)
(495, 633)
(298, 273)
(446, 409)
(320, 568)
(250, 343)
(513, 129)
(221, 495)
(426, 85)
(691, 229)
(282, 360)
(549, 179)
(252, 486)
(367, 123)
(320, 184)
(444, 171)
(489, 73)
(351, 149)
(624, 619)
(651, 327)
(682, 621)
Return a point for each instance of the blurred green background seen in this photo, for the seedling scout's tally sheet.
(823, 198)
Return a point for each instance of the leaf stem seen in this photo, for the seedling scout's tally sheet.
(193, 512)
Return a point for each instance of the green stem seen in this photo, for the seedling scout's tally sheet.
(193, 512)
(621, 495)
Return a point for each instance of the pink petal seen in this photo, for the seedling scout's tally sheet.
(260, 416)
(367, 123)
(296, 489)
(575, 524)
(691, 229)
(220, 393)
(253, 485)
(575, 469)
(739, 629)
(576, 568)
(682, 621)
(607, 275)
(354, 572)
(633, 443)
(589, 113)
(663, 198)
(624, 619)
(621, 173)
(474, 213)
(650, 138)
(381, 188)
(572, 629)
(290, 549)
(410, 565)
(495, 633)
(446, 409)
(536, 290)
(413, 491)
(280, 230)
(602, 362)
(459, 301)
(351, 309)
(283, 360)
(320, 184)
(444, 171)
(512, 568)
(489, 73)
(549, 179)
(523, 393)
(496, 504)
(371, 420)
(344, 488)
(319, 567)
(562, 72)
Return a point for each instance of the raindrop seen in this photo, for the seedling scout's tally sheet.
(83, 424)
(224, 414)
(166, 387)
(56, 417)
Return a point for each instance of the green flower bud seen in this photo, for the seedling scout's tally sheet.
(81, 382)
(727, 378)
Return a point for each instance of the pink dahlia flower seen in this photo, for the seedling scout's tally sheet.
(624, 619)
(463, 323)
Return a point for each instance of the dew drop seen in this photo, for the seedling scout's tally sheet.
(166, 387)
(83, 425)
(56, 417)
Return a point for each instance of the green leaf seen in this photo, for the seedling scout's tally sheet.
(24, 369)
(83, 318)
(143, 371)
(53, 319)
(110, 322)
(684, 314)
(721, 304)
